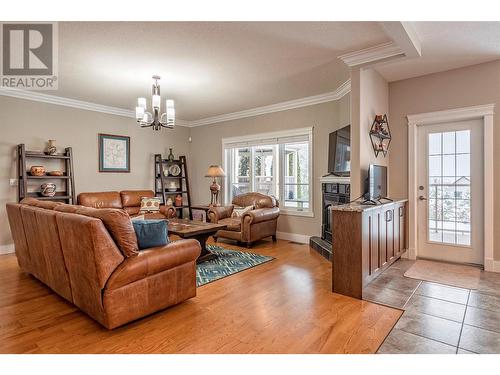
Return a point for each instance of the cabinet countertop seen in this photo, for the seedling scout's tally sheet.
(359, 207)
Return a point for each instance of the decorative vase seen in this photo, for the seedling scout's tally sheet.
(178, 200)
(171, 156)
(51, 147)
(48, 189)
(169, 202)
(172, 186)
(37, 170)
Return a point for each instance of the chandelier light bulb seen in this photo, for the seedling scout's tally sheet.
(154, 119)
(156, 102)
(141, 102)
(139, 113)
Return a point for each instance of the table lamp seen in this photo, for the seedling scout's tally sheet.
(215, 171)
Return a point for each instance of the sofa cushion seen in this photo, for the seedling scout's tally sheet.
(48, 205)
(30, 201)
(151, 233)
(69, 208)
(233, 223)
(107, 199)
(150, 204)
(132, 211)
(258, 200)
(240, 211)
(132, 198)
(118, 223)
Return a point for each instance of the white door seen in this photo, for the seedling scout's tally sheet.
(450, 192)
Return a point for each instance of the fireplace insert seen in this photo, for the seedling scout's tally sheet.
(332, 194)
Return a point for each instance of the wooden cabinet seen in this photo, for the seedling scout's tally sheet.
(366, 240)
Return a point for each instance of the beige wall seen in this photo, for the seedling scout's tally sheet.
(206, 149)
(370, 96)
(33, 123)
(473, 85)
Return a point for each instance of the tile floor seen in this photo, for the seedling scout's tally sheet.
(438, 319)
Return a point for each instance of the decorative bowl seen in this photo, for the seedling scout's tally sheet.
(48, 189)
(37, 170)
(55, 173)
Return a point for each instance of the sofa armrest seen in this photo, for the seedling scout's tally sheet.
(168, 211)
(215, 214)
(154, 260)
(261, 214)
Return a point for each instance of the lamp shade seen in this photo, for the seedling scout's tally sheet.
(215, 171)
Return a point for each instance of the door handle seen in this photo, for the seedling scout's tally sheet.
(422, 198)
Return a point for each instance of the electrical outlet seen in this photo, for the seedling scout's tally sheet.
(13, 182)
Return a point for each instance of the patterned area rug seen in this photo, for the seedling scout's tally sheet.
(227, 263)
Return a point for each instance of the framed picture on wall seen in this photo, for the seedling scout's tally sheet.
(114, 153)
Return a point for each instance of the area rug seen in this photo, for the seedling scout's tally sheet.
(445, 273)
(228, 263)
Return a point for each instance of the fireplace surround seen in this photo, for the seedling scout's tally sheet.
(334, 191)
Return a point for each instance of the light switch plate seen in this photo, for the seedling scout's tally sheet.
(13, 182)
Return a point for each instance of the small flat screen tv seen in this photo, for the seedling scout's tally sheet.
(339, 152)
(377, 183)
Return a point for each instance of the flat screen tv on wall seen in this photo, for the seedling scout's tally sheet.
(339, 152)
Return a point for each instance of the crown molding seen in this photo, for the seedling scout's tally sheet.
(455, 114)
(404, 35)
(330, 96)
(342, 90)
(73, 103)
(372, 54)
(66, 102)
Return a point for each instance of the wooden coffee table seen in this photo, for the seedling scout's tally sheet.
(199, 231)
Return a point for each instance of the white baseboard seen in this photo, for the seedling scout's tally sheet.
(491, 265)
(6, 249)
(300, 238)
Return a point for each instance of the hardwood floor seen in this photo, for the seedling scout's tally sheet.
(283, 306)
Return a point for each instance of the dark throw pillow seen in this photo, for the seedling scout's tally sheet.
(151, 233)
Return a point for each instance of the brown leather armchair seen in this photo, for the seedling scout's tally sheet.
(254, 225)
(127, 200)
(90, 257)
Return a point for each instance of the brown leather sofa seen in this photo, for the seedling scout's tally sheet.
(254, 225)
(128, 200)
(90, 257)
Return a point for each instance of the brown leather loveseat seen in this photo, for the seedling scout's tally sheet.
(90, 257)
(254, 225)
(127, 200)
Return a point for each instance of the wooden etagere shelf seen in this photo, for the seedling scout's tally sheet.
(26, 159)
(182, 183)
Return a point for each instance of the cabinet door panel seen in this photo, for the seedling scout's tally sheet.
(396, 239)
(389, 235)
(402, 227)
(375, 242)
(382, 254)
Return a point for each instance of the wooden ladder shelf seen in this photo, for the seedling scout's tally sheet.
(26, 159)
(162, 182)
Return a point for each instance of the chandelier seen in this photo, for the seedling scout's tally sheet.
(155, 120)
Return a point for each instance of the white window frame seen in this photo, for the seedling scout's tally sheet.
(261, 137)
